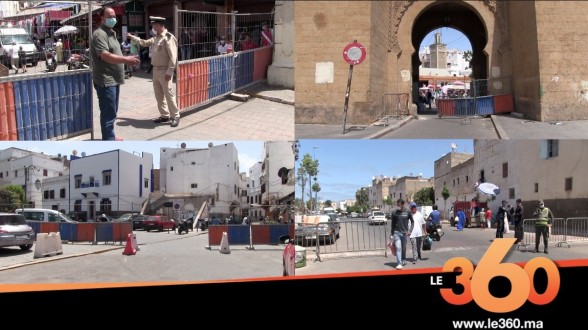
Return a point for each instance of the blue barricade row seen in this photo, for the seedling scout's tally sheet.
(220, 74)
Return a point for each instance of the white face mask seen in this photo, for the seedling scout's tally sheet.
(154, 32)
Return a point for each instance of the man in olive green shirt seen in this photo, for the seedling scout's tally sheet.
(108, 71)
(544, 221)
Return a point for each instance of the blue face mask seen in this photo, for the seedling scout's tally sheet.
(110, 22)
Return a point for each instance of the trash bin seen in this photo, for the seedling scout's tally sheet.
(300, 258)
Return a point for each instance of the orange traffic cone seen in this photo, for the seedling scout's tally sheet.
(129, 248)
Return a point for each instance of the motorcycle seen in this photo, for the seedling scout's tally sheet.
(203, 224)
(79, 61)
(50, 61)
(434, 231)
(182, 226)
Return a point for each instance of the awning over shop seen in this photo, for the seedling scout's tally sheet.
(40, 10)
(81, 15)
(57, 15)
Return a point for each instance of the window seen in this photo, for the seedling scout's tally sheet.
(193, 163)
(52, 194)
(106, 178)
(45, 172)
(467, 178)
(91, 181)
(569, 182)
(505, 170)
(482, 178)
(171, 168)
(454, 182)
(62, 193)
(78, 181)
(549, 149)
(458, 181)
(105, 205)
(235, 189)
(16, 173)
(78, 206)
(400, 195)
(1, 175)
(146, 183)
(511, 193)
(536, 187)
(194, 185)
(54, 217)
(46, 194)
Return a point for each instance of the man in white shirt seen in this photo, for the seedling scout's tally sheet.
(13, 54)
(418, 231)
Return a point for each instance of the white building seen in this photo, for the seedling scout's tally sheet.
(255, 181)
(29, 169)
(277, 169)
(203, 171)
(8, 8)
(56, 192)
(112, 182)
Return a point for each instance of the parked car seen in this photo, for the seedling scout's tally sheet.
(321, 228)
(14, 231)
(124, 218)
(102, 218)
(137, 220)
(45, 215)
(159, 222)
(377, 218)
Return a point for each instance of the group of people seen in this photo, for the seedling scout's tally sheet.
(108, 70)
(17, 57)
(409, 223)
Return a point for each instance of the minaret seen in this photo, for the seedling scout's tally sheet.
(438, 53)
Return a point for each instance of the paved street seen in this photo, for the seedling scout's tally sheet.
(441, 128)
(163, 257)
(471, 243)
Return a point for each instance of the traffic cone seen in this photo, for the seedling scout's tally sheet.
(129, 249)
(224, 246)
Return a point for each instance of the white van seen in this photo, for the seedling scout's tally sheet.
(44, 215)
(22, 38)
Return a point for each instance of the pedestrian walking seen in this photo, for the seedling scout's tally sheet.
(163, 58)
(108, 71)
(518, 221)
(501, 218)
(14, 59)
(418, 231)
(401, 230)
(462, 220)
(488, 216)
(542, 225)
(482, 217)
(22, 59)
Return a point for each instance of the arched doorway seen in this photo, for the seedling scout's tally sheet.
(458, 15)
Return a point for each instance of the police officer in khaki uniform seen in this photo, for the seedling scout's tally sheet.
(163, 59)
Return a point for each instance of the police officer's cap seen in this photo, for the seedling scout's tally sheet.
(157, 20)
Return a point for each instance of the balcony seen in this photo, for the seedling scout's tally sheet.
(93, 184)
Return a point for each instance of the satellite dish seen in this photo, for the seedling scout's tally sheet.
(74, 152)
(420, 174)
(83, 154)
(59, 155)
(453, 146)
(183, 145)
(210, 144)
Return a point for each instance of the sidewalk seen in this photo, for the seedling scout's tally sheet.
(494, 127)
(267, 115)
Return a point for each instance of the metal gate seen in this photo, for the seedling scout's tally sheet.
(208, 70)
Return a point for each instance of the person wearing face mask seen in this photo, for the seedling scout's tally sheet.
(164, 57)
(222, 47)
(544, 221)
(108, 71)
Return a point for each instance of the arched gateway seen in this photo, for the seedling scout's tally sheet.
(531, 49)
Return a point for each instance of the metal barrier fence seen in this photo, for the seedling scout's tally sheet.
(394, 105)
(342, 238)
(576, 230)
(210, 69)
(86, 232)
(249, 234)
(49, 106)
(557, 233)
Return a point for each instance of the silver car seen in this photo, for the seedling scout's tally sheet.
(14, 231)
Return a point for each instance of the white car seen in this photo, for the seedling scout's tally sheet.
(378, 218)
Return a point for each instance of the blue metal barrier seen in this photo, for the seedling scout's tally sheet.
(104, 232)
(68, 231)
(238, 234)
(243, 69)
(485, 105)
(276, 231)
(220, 74)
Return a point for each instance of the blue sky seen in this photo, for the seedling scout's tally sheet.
(249, 151)
(453, 38)
(347, 165)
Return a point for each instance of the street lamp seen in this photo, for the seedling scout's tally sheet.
(315, 178)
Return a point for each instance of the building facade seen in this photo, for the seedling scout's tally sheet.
(56, 192)
(380, 191)
(405, 187)
(446, 174)
(29, 169)
(546, 86)
(112, 183)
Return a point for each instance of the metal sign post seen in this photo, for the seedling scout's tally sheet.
(354, 53)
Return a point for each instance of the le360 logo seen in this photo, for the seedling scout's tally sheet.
(475, 281)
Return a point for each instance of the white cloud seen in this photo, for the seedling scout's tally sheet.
(246, 162)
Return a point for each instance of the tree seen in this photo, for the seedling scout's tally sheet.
(445, 194)
(362, 199)
(316, 187)
(18, 190)
(310, 204)
(310, 167)
(468, 55)
(425, 196)
(9, 201)
(328, 203)
(301, 179)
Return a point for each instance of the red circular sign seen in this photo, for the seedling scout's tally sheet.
(354, 53)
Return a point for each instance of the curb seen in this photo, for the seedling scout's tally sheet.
(272, 98)
(499, 130)
(389, 129)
